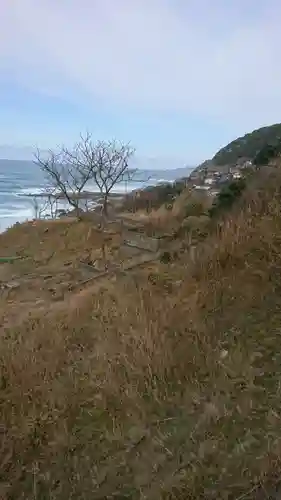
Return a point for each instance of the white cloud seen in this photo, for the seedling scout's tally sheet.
(162, 55)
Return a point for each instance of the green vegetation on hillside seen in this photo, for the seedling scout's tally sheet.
(226, 198)
(266, 154)
(248, 146)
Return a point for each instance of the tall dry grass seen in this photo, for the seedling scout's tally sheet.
(155, 389)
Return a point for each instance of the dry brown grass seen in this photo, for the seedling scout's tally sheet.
(156, 223)
(190, 198)
(54, 241)
(53, 256)
(187, 213)
(155, 386)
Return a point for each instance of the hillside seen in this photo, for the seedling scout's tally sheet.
(159, 384)
(248, 146)
(261, 145)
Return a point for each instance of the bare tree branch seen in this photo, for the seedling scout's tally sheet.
(45, 204)
(106, 163)
(58, 174)
(111, 161)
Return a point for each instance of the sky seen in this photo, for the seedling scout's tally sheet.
(177, 78)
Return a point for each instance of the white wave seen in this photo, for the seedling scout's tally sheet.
(30, 191)
(156, 181)
(10, 207)
(7, 193)
(22, 214)
(122, 187)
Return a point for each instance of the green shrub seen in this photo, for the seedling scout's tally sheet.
(227, 197)
(266, 154)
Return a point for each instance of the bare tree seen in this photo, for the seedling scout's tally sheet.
(106, 163)
(111, 167)
(52, 205)
(64, 174)
(36, 207)
(45, 205)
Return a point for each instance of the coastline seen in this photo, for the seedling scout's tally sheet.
(63, 209)
(91, 198)
(84, 195)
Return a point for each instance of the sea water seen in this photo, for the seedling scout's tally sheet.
(20, 179)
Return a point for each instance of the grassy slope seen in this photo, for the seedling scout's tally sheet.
(154, 388)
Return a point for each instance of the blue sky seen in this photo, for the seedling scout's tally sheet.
(179, 79)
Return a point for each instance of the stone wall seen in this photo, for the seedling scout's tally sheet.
(141, 241)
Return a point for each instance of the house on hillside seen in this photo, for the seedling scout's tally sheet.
(223, 179)
(202, 187)
(236, 173)
(209, 180)
(247, 164)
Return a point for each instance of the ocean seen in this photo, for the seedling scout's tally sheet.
(18, 179)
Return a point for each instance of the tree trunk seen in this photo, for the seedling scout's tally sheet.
(105, 206)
